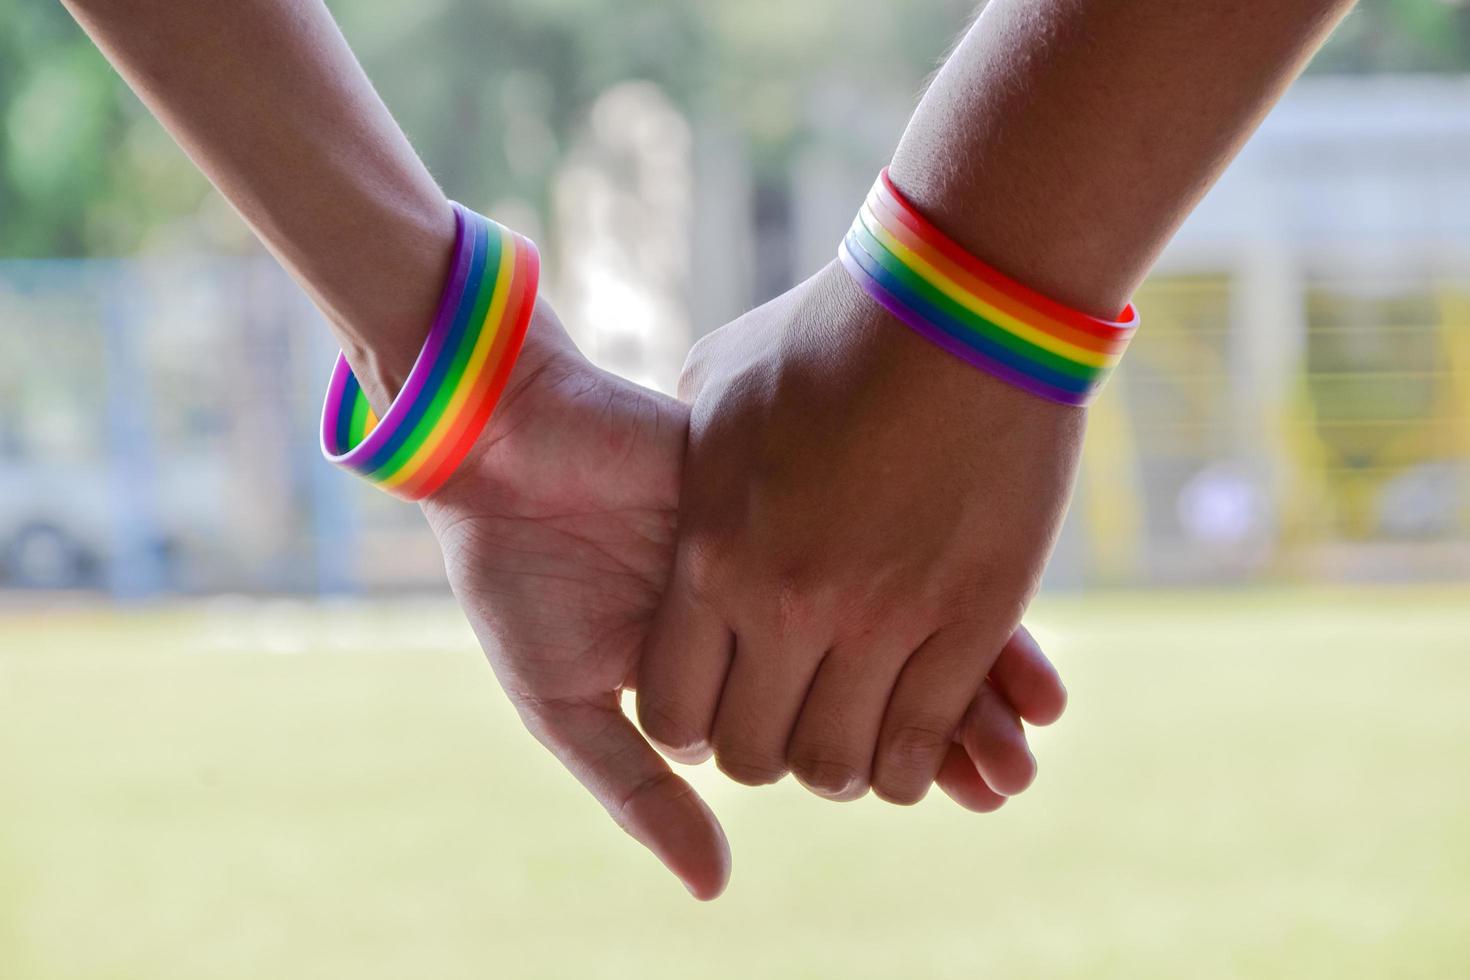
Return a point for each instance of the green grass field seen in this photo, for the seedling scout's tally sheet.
(1247, 785)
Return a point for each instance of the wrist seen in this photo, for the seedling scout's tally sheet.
(508, 457)
(959, 303)
(874, 334)
(458, 376)
(380, 289)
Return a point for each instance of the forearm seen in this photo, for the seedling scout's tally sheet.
(1065, 140)
(267, 99)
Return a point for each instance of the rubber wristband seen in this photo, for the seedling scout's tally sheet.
(458, 376)
(932, 285)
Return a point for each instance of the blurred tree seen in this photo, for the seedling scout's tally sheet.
(82, 168)
(1400, 36)
(491, 90)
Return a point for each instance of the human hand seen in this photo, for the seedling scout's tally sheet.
(863, 520)
(558, 534)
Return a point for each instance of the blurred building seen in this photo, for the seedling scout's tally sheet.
(1297, 405)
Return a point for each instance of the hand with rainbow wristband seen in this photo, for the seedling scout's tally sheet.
(602, 449)
(575, 441)
(864, 517)
(459, 375)
(575, 466)
(932, 285)
(558, 540)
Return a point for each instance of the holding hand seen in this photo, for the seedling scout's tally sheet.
(863, 517)
(559, 534)
(863, 520)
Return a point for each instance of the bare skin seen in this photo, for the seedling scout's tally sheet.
(558, 536)
(864, 518)
(559, 531)
(268, 101)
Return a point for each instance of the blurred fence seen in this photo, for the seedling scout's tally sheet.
(1326, 438)
(1297, 405)
(157, 431)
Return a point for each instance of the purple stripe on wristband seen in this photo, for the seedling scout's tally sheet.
(959, 349)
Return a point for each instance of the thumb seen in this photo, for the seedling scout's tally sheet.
(601, 747)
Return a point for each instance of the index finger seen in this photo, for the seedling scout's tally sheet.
(601, 747)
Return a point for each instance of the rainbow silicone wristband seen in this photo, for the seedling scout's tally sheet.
(973, 311)
(458, 376)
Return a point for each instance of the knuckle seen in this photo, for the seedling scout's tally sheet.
(827, 773)
(670, 725)
(704, 560)
(916, 745)
(702, 366)
(992, 595)
(665, 785)
(791, 607)
(898, 792)
(689, 378)
(910, 759)
(796, 600)
(698, 354)
(749, 768)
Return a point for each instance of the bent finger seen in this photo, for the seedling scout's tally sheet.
(995, 741)
(681, 673)
(831, 748)
(767, 684)
(1028, 680)
(930, 698)
(963, 784)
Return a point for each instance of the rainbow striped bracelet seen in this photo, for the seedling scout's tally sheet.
(458, 376)
(941, 291)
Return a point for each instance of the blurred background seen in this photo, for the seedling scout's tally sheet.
(242, 731)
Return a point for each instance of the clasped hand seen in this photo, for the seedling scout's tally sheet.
(817, 565)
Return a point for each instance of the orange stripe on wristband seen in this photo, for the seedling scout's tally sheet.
(938, 289)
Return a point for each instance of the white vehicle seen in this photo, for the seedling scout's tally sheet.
(80, 527)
